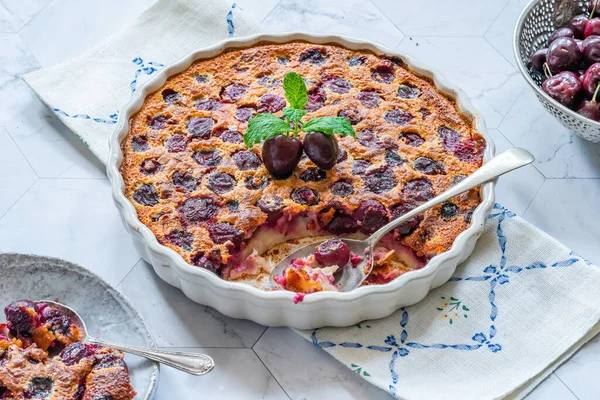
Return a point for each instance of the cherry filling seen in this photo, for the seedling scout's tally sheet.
(76, 352)
(21, 321)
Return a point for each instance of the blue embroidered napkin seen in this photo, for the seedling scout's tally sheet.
(516, 309)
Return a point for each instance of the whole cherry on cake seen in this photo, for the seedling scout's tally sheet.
(282, 149)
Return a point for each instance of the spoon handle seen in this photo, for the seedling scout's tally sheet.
(507, 161)
(195, 364)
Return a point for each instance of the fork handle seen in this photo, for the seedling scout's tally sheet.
(195, 364)
(506, 161)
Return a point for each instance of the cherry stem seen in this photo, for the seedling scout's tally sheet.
(594, 9)
(547, 71)
(596, 93)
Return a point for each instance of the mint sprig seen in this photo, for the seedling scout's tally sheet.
(266, 125)
(263, 126)
(295, 90)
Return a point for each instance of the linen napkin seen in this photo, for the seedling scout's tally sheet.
(515, 310)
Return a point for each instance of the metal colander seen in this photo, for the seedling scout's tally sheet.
(539, 19)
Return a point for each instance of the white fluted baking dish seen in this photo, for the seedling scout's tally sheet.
(276, 308)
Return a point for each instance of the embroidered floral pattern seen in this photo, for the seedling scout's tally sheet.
(451, 310)
(493, 275)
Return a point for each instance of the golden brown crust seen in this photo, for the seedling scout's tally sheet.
(251, 67)
(84, 372)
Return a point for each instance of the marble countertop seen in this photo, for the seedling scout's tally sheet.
(50, 181)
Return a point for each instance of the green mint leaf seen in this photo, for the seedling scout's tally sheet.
(264, 126)
(295, 90)
(329, 126)
(293, 114)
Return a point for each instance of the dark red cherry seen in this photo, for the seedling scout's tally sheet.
(150, 167)
(399, 117)
(418, 190)
(351, 115)
(412, 224)
(371, 215)
(450, 137)
(449, 211)
(306, 196)
(246, 160)
(176, 143)
(211, 261)
(170, 96)
(578, 24)
(429, 166)
(564, 87)
(20, 321)
(243, 114)
(208, 104)
(207, 158)
(589, 109)
(368, 138)
(592, 28)
(341, 223)
(337, 84)
(537, 60)
(231, 136)
(268, 81)
(220, 182)
(591, 78)
(380, 180)
(342, 188)
(563, 55)
(271, 205)
(139, 144)
(281, 154)
(158, 122)
(412, 139)
(222, 232)
(368, 98)
(354, 61)
(253, 182)
(185, 240)
(313, 175)
(560, 32)
(322, 149)
(200, 128)
(314, 55)
(270, 103)
(591, 49)
(470, 150)
(234, 91)
(196, 210)
(76, 352)
(146, 195)
(359, 167)
(393, 158)
(408, 91)
(316, 98)
(383, 73)
(332, 252)
(184, 181)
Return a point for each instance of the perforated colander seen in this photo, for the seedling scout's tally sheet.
(537, 21)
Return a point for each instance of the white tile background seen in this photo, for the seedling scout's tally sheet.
(54, 196)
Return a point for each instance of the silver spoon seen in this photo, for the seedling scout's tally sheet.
(349, 278)
(195, 364)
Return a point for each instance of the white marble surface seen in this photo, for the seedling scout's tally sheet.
(54, 196)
